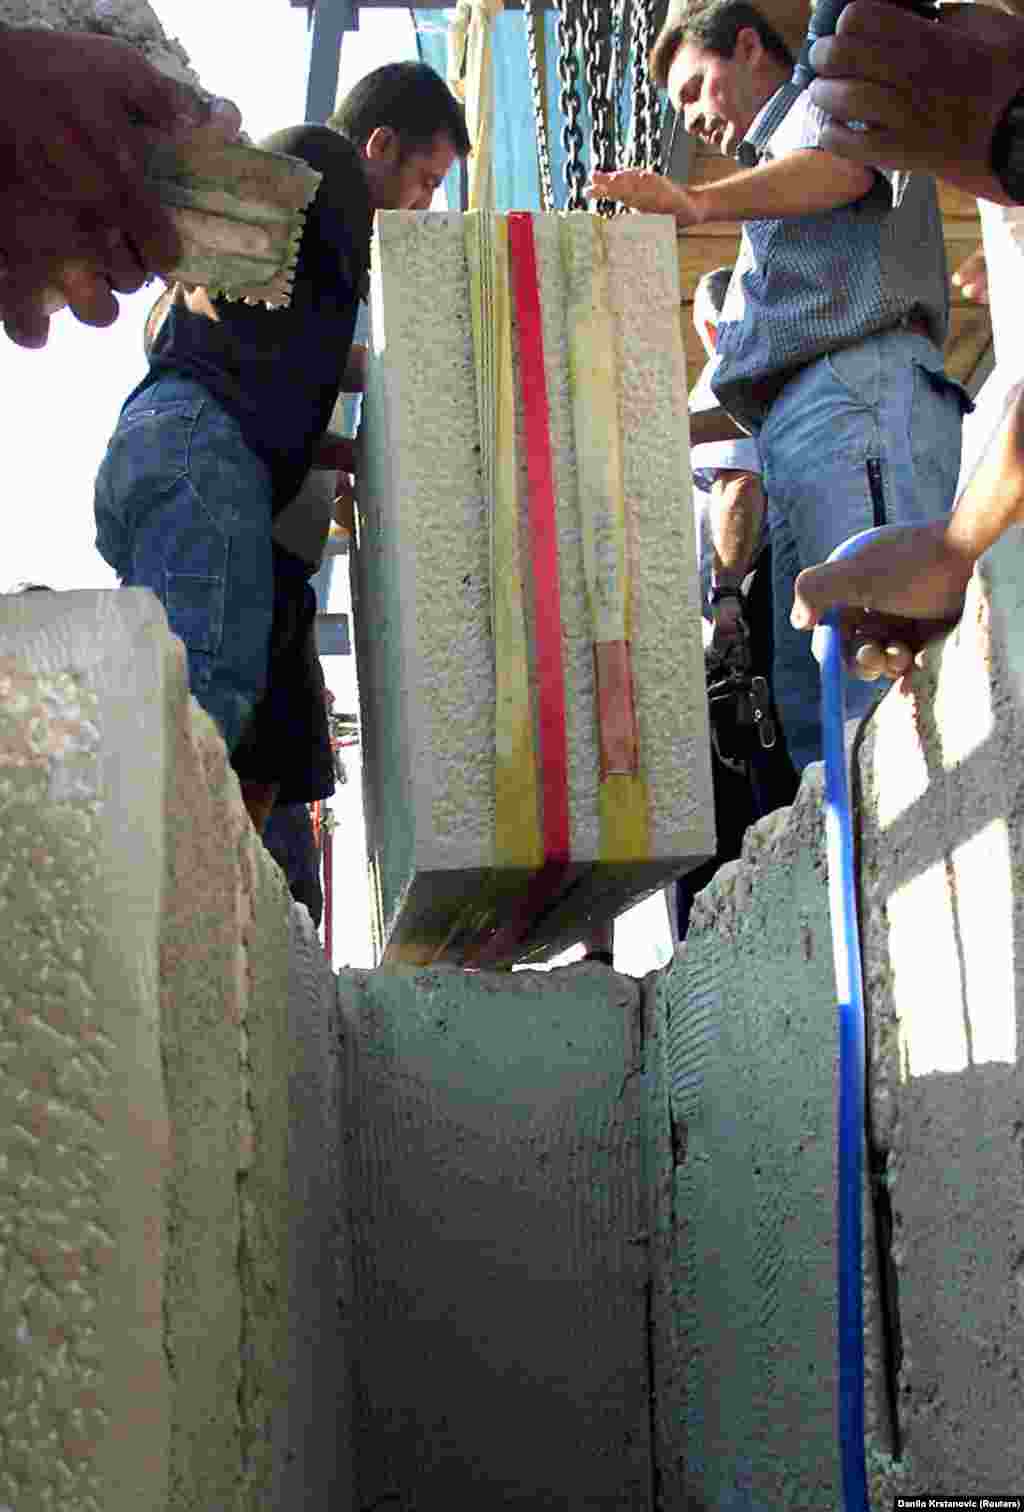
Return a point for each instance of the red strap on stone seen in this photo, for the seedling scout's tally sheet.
(547, 597)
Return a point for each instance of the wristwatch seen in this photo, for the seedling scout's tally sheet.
(716, 595)
(1007, 151)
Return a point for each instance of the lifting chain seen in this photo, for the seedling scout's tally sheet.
(597, 62)
(569, 104)
(533, 17)
(653, 102)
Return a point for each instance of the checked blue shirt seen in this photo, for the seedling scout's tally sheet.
(808, 285)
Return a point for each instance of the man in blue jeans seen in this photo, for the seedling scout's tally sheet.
(225, 426)
(830, 342)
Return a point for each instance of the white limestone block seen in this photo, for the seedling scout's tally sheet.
(170, 1256)
(422, 594)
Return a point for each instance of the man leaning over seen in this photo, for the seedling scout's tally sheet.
(830, 341)
(216, 440)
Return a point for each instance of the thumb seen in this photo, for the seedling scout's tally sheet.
(808, 599)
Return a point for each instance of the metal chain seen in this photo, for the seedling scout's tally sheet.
(569, 104)
(596, 54)
(653, 103)
(533, 17)
(640, 30)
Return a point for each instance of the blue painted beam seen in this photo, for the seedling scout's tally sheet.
(330, 19)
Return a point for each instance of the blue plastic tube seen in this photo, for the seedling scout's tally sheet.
(850, 992)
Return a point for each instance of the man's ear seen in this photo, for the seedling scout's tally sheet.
(382, 144)
(749, 46)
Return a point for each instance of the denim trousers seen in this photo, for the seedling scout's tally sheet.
(869, 435)
(183, 507)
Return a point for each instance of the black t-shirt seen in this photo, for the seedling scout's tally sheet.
(279, 371)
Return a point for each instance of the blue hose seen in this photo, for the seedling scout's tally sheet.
(850, 991)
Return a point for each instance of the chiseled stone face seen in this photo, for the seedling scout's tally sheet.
(134, 21)
(424, 613)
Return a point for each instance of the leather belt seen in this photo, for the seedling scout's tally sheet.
(765, 391)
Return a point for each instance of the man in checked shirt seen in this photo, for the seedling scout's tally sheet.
(830, 342)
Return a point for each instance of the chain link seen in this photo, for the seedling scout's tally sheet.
(597, 60)
(644, 46)
(640, 30)
(569, 104)
(533, 17)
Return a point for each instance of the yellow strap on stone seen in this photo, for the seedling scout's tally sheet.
(594, 387)
(517, 836)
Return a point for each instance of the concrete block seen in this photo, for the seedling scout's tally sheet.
(169, 1257)
(744, 1263)
(942, 868)
(133, 21)
(499, 1236)
(422, 596)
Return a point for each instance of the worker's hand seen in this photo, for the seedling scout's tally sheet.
(908, 92)
(971, 278)
(76, 219)
(900, 589)
(57, 258)
(642, 190)
(727, 623)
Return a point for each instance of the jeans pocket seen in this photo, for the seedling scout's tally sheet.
(146, 458)
(195, 611)
(857, 370)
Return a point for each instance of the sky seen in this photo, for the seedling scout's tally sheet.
(63, 401)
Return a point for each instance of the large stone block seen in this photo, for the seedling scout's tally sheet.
(171, 1263)
(425, 614)
(942, 875)
(499, 1239)
(744, 1345)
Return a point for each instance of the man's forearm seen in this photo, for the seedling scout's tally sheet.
(802, 183)
(735, 515)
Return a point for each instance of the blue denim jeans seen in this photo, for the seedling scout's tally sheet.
(867, 436)
(184, 507)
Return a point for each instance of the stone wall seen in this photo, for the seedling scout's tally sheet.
(741, 1063)
(499, 1233)
(173, 1275)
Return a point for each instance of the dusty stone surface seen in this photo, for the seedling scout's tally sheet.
(942, 875)
(173, 1272)
(743, 1068)
(134, 21)
(499, 1236)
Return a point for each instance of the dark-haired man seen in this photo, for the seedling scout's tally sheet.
(220, 434)
(830, 342)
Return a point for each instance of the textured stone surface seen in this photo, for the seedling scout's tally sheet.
(743, 1263)
(171, 1261)
(422, 590)
(943, 897)
(499, 1237)
(134, 21)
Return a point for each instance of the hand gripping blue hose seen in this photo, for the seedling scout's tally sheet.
(850, 991)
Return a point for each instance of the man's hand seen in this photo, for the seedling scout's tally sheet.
(971, 278)
(642, 190)
(901, 588)
(728, 623)
(924, 95)
(906, 583)
(76, 219)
